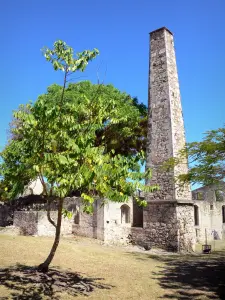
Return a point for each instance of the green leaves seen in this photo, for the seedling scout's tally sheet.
(67, 214)
(61, 57)
(141, 202)
(62, 159)
(88, 203)
(206, 159)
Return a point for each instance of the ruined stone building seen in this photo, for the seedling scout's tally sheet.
(209, 212)
(174, 218)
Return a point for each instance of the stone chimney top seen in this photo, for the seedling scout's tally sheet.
(160, 29)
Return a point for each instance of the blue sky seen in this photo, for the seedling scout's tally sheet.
(120, 30)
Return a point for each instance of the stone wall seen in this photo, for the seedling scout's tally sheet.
(90, 225)
(138, 236)
(210, 222)
(108, 224)
(118, 234)
(27, 221)
(160, 224)
(166, 225)
(209, 213)
(44, 228)
(169, 225)
(36, 223)
(116, 227)
(186, 231)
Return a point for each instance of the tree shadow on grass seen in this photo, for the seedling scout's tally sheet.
(26, 283)
(192, 277)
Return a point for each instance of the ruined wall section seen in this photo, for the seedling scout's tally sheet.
(90, 225)
(36, 223)
(115, 231)
(44, 228)
(26, 221)
(211, 221)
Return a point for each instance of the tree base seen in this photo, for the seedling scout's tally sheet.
(42, 268)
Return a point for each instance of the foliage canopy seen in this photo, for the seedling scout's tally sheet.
(206, 159)
(82, 137)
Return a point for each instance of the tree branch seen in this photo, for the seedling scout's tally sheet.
(43, 183)
(48, 213)
(75, 78)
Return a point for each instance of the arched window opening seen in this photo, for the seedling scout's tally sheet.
(125, 214)
(223, 213)
(196, 215)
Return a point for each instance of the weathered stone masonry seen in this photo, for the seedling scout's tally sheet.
(166, 134)
(169, 216)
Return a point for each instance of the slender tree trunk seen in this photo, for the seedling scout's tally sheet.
(45, 265)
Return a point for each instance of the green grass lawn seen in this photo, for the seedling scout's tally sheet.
(83, 267)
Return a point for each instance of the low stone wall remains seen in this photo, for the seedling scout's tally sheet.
(36, 223)
(27, 221)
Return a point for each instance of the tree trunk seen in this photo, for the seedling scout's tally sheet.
(44, 266)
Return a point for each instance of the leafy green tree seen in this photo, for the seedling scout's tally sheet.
(125, 137)
(206, 159)
(62, 140)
